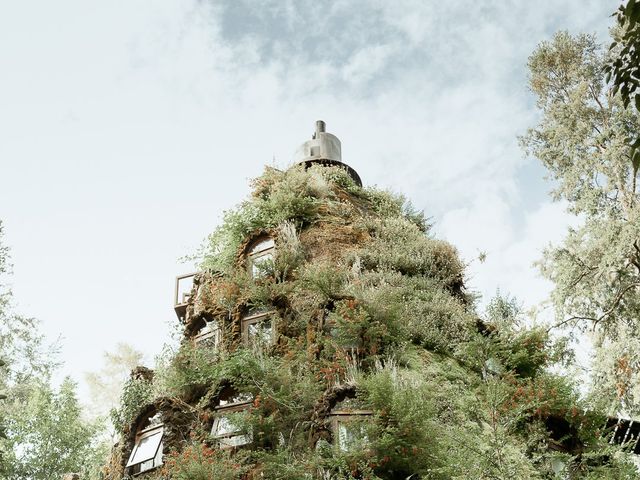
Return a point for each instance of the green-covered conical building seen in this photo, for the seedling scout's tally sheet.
(328, 335)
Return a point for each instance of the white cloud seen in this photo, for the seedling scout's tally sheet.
(366, 63)
(128, 127)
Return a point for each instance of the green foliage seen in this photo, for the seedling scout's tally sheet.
(105, 385)
(49, 436)
(136, 394)
(193, 369)
(399, 245)
(508, 346)
(416, 309)
(286, 463)
(408, 425)
(290, 253)
(284, 399)
(21, 346)
(298, 196)
(42, 432)
(200, 462)
(280, 197)
(354, 329)
(583, 140)
(366, 302)
(582, 137)
(389, 205)
(324, 280)
(623, 68)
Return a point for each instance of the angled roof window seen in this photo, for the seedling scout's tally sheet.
(147, 451)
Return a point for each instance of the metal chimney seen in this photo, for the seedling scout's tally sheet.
(324, 149)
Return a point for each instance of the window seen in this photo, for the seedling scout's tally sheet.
(258, 330)
(227, 433)
(208, 334)
(260, 253)
(182, 294)
(147, 451)
(225, 428)
(349, 425)
(350, 429)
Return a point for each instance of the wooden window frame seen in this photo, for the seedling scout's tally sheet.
(216, 333)
(185, 296)
(180, 304)
(224, 410)
(254, 319)
(252, 255)
(337, 417)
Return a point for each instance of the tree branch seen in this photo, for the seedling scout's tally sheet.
(608, 312)
(616, 302)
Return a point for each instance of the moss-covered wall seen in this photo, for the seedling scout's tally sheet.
(366, 304)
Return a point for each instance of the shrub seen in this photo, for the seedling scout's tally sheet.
(399, 245)
(136, 394)
(197, 461)
(416, 309)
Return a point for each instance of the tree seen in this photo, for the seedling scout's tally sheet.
(105, 385)
(43, 431)
(49, 435)
(23, 354)
(582, 140)
(623, 66)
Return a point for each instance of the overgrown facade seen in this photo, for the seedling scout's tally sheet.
(329, 335)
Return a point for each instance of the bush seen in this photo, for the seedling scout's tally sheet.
(200, 462)
(416, 309)
(399, 245)
(136, 394)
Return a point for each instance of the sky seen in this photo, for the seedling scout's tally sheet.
(128, 127)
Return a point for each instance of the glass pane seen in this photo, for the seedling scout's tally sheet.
(209, 331)
(184, 289)
(350, 435)
(146, 448)
(350, 404)
(260, 333)
(344, 437)
(155, 420)
(158, 460)
(235, 441)
(258, 264)
(235, 398)
(224, 426)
